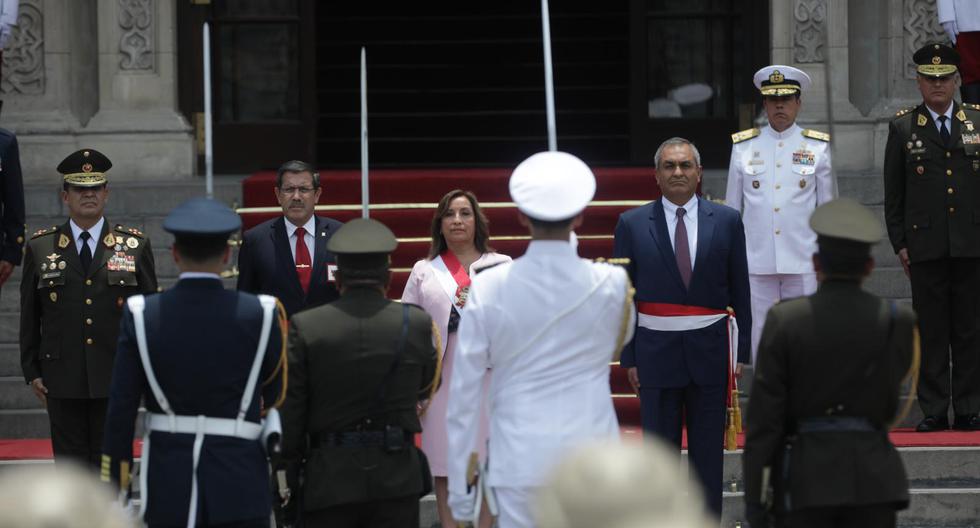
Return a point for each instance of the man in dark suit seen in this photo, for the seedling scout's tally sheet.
(932, 188)
(357, 369)
(207, 362)
(77, 277)
(688, 265)
(270, 260)
(826, 391)
(12, 205)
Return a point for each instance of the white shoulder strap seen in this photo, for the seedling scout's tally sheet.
(137, 303)
(268, 311)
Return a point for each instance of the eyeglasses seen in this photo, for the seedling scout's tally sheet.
(292, 190)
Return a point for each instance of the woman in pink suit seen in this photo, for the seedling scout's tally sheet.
(439, 284)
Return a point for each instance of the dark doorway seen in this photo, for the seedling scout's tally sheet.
(262, 57)
(691, 72)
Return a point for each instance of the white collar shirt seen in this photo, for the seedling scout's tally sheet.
(547, 324)
(310, 227)
(198, 275)
(94, 231)
(949, 118)
(690, 221)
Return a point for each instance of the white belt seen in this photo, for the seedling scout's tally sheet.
(206, 425)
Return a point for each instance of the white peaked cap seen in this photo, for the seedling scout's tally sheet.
(552, 186)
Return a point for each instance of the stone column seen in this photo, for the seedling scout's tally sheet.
(138, 125)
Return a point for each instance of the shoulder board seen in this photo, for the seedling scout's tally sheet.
(972, 106)
(485, 268)
(129, 230)
(739, 137)
(904, 111)
(816, 134)
(42, 232)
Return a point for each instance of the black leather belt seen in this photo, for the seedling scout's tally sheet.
(825, 424)
(353, 439)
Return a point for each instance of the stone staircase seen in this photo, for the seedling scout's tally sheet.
(945, 481)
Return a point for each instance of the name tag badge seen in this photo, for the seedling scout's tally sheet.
(331, 268)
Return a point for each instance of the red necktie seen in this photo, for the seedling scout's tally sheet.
(304, 264)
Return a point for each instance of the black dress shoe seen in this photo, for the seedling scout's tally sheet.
(967, 422)
(933, 423)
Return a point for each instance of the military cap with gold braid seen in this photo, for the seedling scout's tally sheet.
(779, 80)
(85, 168)
(936, 60)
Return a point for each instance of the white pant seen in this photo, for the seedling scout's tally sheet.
(515, 507)
(767, 290)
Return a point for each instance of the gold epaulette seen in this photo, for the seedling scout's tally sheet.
(904, 111)
(972, 106)
(129, 230)
(739, 137)
(614, 261)
(42, 232)
(816, 134)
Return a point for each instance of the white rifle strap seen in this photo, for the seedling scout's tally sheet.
(137, 303)
(268, 310)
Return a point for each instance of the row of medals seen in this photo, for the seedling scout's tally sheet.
(130, 242)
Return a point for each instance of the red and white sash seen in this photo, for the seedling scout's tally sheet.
(453, 277)
(679, 317)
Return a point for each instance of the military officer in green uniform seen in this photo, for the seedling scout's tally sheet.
(357, 369)
(826, 391)
(932, 211)
(77, 277)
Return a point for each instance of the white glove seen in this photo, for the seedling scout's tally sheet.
(951, 30)
(462, 505)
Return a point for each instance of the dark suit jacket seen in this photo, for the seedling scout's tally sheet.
(69, 320)
(339, 355)
(265, 265)
(829, 354)
(11, 198)
(932, 192)
(202, 341)
(720, 279)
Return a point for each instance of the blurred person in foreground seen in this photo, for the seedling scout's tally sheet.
(66, 496)
(826, 391)
(440, 284)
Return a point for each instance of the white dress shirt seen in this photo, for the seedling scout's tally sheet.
(776, 180)
(310, 228)
(690, 221)
(94, 231)
(547, 324)
(949, 119)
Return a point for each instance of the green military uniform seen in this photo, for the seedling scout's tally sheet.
(69, 322)
(932, 210)
(826, 391)
(348, 384)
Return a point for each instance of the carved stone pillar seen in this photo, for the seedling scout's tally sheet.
(138, 125)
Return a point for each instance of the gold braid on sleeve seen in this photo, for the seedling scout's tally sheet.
(912, 375)
(625, 321)
(435, 384)
(283, 364)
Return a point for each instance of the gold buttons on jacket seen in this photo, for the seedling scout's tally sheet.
(89, 341)
(88, 282)
(952, 209)
(949, 190)
(88, 321)
(949, 172)
(777, 231)
(88, 301)
(947, 154)
(780, 143)
(915, 227)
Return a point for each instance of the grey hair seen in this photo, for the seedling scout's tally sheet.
(297, 166)
(676, 141)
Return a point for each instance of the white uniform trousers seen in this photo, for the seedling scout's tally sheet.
(768, 289)
(515, 506)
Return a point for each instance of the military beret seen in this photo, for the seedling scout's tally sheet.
(85, 168)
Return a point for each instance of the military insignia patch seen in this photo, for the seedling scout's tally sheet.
(52, 257)
(961, 115)
(921, 120)
(755, 184)
(108, 240)
(63, 241)
(802, 183)
(920, 170)
(739, 137)
(132, 243)
(62, 265)
(53, 296)
(816, 134)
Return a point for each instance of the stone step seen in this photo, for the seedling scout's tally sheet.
(10, 359)
(15, 394)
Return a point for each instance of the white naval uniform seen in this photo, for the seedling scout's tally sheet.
(547, 324)
(777, 179)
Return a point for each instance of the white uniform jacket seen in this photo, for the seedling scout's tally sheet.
(777, 179)
(548, 325)
(966, 14)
